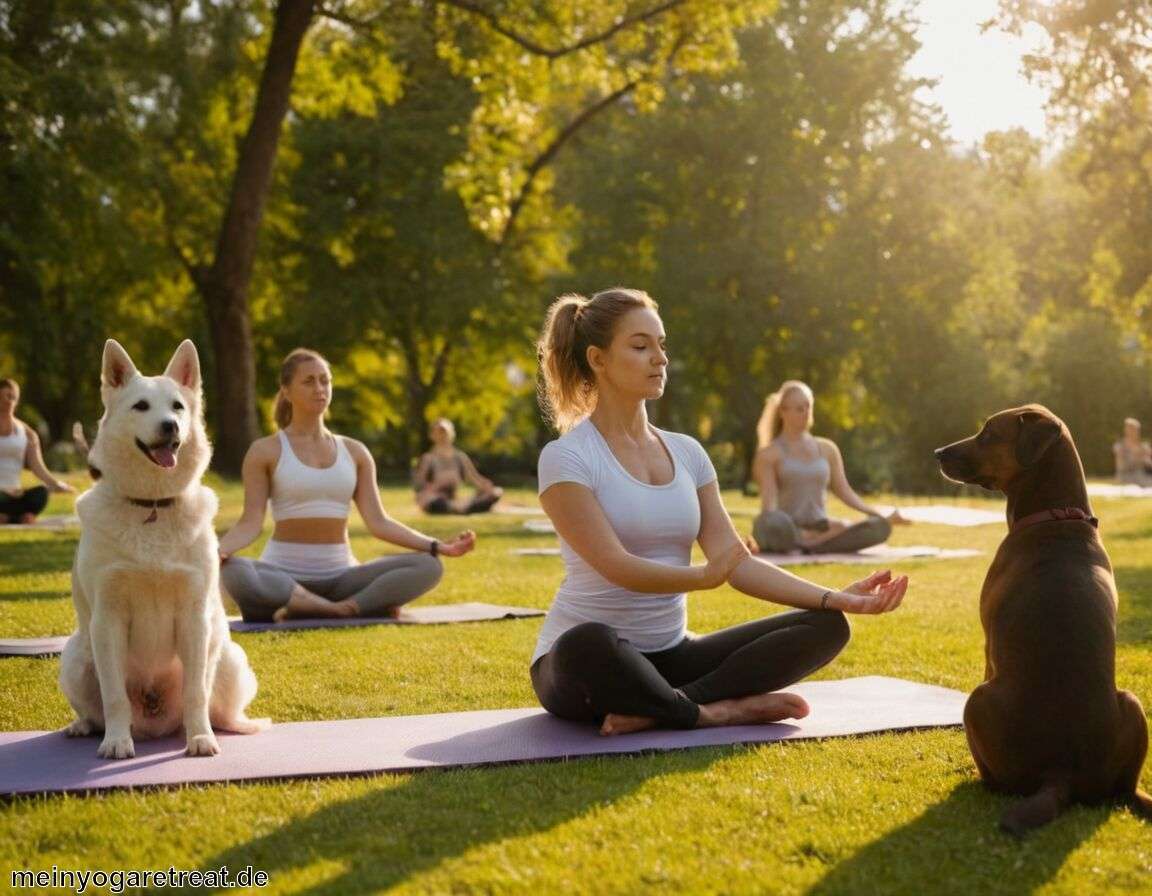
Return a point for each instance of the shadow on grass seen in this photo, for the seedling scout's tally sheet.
(396, 832)
(35, 595)
(38, 555)
(959, 838)
(1134, 623)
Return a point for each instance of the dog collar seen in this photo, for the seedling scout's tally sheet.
(153, 503)
(1056, 513)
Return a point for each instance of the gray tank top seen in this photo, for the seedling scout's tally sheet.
(802, 484)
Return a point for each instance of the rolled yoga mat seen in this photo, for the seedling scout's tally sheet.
(49, 762)
(439, 614)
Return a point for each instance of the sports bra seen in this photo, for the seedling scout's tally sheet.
(12, 449)
(299, 490)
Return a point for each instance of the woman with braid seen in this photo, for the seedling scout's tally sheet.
(628, 501)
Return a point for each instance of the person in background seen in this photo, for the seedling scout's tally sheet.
(20, 450)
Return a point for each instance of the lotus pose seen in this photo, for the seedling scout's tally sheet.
(443, 469)
(20, 448)
(1133, 456)
(793, 469)
(628, 501)
(310, 475)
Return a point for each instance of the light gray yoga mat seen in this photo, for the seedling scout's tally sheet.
(50, 646)
(1116, 490)
(879, 554)
(950, 515)
(440, 614)
(44, 524)
(49, 762)
(542, 526)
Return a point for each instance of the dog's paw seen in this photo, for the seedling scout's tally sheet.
(117, 747)
(203, 745)
(80, 728)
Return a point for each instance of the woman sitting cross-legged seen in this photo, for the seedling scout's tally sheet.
(310, 475)
(20, 449)
(628, 502)
(794, 469)
(444, 469)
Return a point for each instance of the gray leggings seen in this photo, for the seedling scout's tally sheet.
(260, 589)
(776, 533)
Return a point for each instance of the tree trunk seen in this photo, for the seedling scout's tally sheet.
(224, 285)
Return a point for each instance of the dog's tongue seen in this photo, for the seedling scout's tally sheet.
(164, 456)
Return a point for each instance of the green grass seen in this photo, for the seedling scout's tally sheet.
(898, 813)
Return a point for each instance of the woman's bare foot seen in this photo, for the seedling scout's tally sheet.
(617, 723)
(758, 709)
(28, 519)
(303, 604)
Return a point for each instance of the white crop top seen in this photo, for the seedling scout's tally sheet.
(13, 447)
(656, 522)
(302, 491)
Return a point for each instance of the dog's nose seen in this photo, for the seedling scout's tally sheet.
(169, 427)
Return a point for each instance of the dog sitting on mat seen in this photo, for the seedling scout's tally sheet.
(1048, 722)
(152, 651)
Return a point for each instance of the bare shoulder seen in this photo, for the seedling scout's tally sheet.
(827, 447)
(768, 454)
(266, 449)
(356, 448)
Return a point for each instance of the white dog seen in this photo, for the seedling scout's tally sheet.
(152, 649)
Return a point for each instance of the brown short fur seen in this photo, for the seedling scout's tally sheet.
(1048, 722)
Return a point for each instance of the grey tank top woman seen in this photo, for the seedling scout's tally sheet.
(795, 470)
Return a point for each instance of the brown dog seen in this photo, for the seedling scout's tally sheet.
(1047, 722)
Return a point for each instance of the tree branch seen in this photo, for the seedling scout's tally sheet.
(539, 49)
(566, 133)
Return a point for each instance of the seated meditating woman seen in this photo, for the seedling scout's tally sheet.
(443, 469)
(310, 475)
(20, 449)
(628, 501)
(1133, 456)
(794, 469)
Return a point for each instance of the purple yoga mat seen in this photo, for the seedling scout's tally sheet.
(49, 762)
(438, 614)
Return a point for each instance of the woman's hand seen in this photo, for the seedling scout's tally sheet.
(458, 546)
(718, 569)
(897, 519)
(60, 487)
(879, 593)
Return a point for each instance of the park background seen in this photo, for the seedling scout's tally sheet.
(404, 186)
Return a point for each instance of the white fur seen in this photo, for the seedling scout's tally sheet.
(152, 650)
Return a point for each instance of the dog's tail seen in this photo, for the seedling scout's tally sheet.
(1141, 804)
(1038, 809)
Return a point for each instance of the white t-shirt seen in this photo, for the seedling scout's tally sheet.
(656, 522)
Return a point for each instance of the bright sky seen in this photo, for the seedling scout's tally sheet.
(981, 86)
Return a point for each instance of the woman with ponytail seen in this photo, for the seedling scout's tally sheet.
(794, 469)
(310, 476)
(628, 502)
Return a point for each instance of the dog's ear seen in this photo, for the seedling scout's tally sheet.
(118, 367)
(185, 366)
(1038, 433)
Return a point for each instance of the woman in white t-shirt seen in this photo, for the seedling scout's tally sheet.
(628, 501)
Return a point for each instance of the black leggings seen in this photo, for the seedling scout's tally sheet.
(33, 500)
(591, 671)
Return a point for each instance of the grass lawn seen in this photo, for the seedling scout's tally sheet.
(899, 813)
